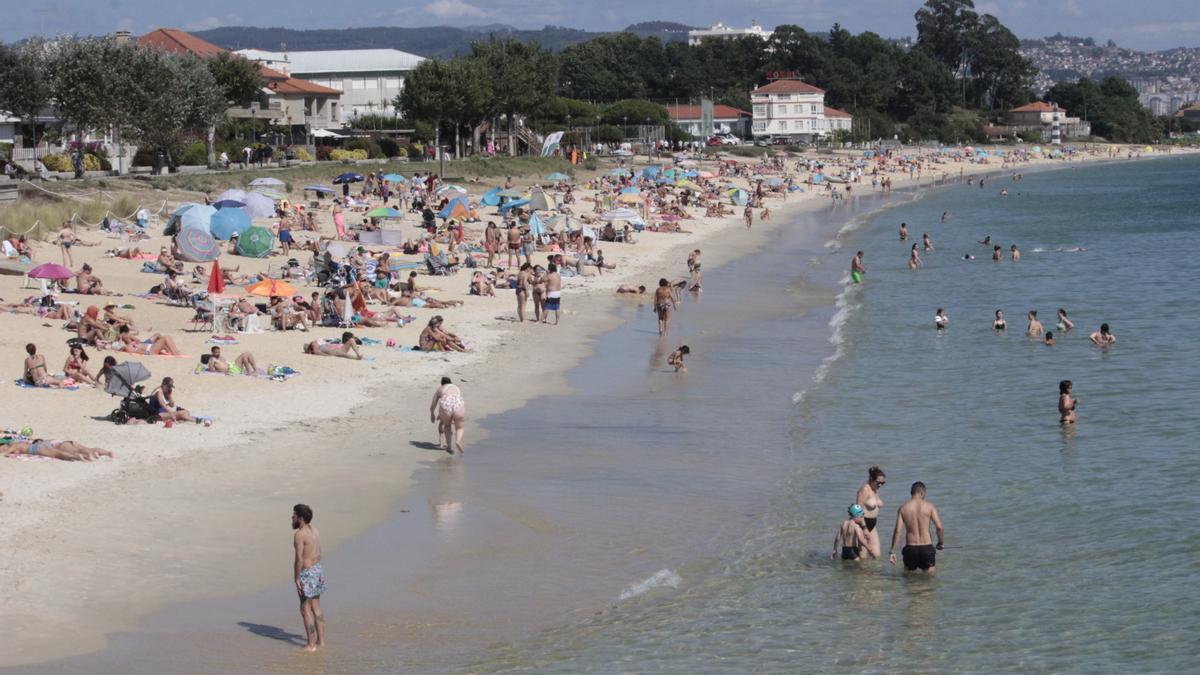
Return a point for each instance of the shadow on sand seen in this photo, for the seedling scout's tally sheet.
(273, 633)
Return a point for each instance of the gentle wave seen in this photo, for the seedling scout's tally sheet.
(660, 579)
(845, 306)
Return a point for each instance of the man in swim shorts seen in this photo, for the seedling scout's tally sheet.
(309, 576)
(856, 268)
(915, 515)
(553, 293)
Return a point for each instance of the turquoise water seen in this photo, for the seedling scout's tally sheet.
(1076, 549)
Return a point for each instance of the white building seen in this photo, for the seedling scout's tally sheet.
(369, 79)
(796, 110)
(720, 30)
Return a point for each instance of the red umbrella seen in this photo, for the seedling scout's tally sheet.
(216, 280)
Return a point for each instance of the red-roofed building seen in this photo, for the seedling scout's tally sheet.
(725, 119)
(795, 110)
(1053, 121)
(285, 100)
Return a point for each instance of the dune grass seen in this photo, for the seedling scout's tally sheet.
(45, 214)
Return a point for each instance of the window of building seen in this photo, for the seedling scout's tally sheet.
(783, 125)
(760, 110)
(812, 108)
(392, 83)
(812, 124)
(781, 110)
(784, 97)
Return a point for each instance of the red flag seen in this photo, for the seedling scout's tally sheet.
(216, 280)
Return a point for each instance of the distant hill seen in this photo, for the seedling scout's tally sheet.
(435, 41)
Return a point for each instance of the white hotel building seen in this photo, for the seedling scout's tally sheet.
(789, 108)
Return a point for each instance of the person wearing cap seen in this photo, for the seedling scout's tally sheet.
(233, 242)
(852, 535)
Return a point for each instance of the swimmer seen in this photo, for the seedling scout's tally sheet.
(928, 242)
(1066, 403)
(986, 241)
(1003, 193)
(997, 255)
(940, 320)
(1014, 253)
(628, 288)
(1049, 339)
(852, 536)
(1064, 323)
(1034, 329)
(1103, 338)
(868, 496)
(676, 358)
(945, 216)
(914, 260)
(999, 323)
(968, 256)
(915, 515)
(856, 268)
(903, 232)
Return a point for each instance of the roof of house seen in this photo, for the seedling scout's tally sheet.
(788, 87)
(693, 112)
(175, 41)
(338, 60)
(1039, 106)
(834, 112)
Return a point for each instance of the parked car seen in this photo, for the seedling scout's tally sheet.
(781, 140)
(730, 139)
(714, 141)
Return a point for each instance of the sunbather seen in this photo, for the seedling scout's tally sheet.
(435, 339)
(159, 345)
(348, 349)
(76, 366)
(163, 399)
(68, 451)
(35, 369)
(91, 329)
(244, 364)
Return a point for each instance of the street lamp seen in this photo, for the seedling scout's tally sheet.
(253, 112)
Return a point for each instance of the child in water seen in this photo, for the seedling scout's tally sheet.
(676, 359)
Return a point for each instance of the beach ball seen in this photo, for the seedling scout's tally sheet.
(391, 342)
(27, 432)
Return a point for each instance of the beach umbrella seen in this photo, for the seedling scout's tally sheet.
(256, 242)
(516, 203)
(259, 206)
(196, 218)
(662, 180)
(228, 204)
(451, 188)
(536, 229)
(348, 177)
(620, 214)
(196, 245)
(491, 197)
(739, 197)
(272, 288)
(232, 194)
(687, 184)
(651, 172)
(540, 201)
(629, 198)
(775, 181)
(558, 176)
(265, 182)
(124, 376)
(619, 172)
(216, 280)
(50, 271)
(395, 178)
(631, 191)
(384, 212)
(226, 222)
(319, 189)
(270, 194)
(510, 193)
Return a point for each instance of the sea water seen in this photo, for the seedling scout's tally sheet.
(1072, 549)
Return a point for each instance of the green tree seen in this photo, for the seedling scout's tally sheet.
(240, 83)
(521, 77)
(86, 83)
(24, 85)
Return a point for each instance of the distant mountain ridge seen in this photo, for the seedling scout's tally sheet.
(434, 41)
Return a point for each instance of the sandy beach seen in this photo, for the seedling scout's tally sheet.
(199, 512)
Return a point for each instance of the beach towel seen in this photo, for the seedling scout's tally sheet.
(25, 385)
(222, 340)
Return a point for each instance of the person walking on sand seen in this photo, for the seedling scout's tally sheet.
(856, 268)
(1066, 403)
(664, 303)
(748, 214)
(852, 535)
(915, 515)
(449, 411)
(309, 576)
(524, 285)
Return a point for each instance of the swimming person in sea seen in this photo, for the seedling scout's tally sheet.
(856, 268)
(852, 535)
(940, 320)
(1066, 403)
(999, 323)
(1103, 338)
(309, 576)
(915, 515)
(1064, 324)
(868, 496)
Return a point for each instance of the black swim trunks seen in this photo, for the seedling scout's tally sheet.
(849, 553)
(870, 522)
(922, 557)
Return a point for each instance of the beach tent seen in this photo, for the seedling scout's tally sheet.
(196, 218)
(227, 221)
(631, 191)
(775, 181)
(491, 197)
(619, 172)
(196, 245)
(259, 206)
(384, 212)
(739, 197)
(456, 208)
(540, 201)
(256, 242)
(265, 182)
(516, 203)
(510, 193)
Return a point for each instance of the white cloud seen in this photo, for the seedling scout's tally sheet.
(203, 24)
(454, 9)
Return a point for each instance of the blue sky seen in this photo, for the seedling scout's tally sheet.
(1146, 24)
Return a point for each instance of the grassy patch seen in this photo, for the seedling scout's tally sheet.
(46, 214)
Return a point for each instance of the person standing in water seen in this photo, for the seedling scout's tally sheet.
(1064, 324)
(309, 576)
(852, 535)
(903, 231)
(1066, 403)
(915, 515)
(999, 323)
(449, 411)
(928, 242)
(940, 320)
(868, 496)
(1014, 253)
(914, 259)
(1103, 338)
(664, 303)
(856, 268)
(1035, 327)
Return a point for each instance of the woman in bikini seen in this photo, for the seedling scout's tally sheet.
(1066, 403)
(35, 369)
(433, 338)
(68, 451)
(868, 497)
(76, 366)
(999, 323)
(164, 401)
(449, 411)
(347, 350)
(159, 345)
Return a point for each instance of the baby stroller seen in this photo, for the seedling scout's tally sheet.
(122, 382)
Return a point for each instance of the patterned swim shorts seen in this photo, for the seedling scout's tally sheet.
(312, 581)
